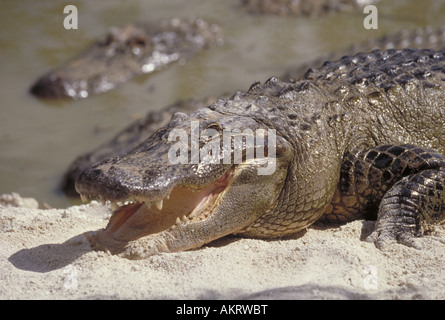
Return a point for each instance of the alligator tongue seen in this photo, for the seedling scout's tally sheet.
(121, 215)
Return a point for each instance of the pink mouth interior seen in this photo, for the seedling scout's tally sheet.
(135, 220)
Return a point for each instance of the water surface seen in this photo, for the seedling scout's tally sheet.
(39, 139)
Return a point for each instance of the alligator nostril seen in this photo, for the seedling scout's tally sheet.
(48, 86)
(104, 182)
(94, 173)
(85, 178)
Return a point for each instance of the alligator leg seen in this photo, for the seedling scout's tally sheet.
(402, 186)
(415, 200)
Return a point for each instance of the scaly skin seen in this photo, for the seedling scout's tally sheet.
(125, 53)
(131, 136)
(301, 7)
(362, 133)
(420, 38)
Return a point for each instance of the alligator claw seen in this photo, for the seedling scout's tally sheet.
(384, 238)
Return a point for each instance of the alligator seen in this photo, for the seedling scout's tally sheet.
(141, 129)
(302, 7)
(360, 137)
(124, 53)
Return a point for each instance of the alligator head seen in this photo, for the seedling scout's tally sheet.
(195, 180)
(124, 53)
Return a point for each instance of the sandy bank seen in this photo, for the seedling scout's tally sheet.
(44, 254)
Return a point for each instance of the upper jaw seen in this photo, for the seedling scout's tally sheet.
(115, 204)
(118, 194)
(104, 182)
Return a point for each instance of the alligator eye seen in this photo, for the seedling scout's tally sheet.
(212, 131)
(138, 42)
(107, 40)
(214, 126)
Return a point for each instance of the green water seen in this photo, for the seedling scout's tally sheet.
(39, 139)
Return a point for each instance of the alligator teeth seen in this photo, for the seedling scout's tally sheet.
(159, 204)
(84, 198)
(182, 219)
(114, 206)
(148, 204)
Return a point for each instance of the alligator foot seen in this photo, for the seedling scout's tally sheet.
(411, 202)
(400, 186)
(385, 238)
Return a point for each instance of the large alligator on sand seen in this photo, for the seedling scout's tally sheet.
(140, 130)
(363, 136)
(125, 53)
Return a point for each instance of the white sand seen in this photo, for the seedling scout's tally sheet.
(44, 255)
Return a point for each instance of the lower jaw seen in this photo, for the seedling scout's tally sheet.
(135, 220)
(184, 205)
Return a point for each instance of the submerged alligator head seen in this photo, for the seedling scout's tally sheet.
(164, 206)
(125, 53)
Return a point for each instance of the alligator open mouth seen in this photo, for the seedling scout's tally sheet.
(133, 219)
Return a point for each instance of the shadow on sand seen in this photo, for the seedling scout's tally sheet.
(49, 257)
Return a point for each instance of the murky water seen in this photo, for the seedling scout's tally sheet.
(38, 139)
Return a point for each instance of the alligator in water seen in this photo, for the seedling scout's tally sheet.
(143, 48)
(141, 129)
(125, 53)
(302, 7)
(360, 137)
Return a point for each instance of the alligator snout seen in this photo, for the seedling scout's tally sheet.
(92, 182)
(48, 86)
